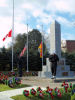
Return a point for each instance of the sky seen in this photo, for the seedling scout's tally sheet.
(36, 13)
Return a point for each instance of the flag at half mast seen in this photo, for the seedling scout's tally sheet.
(40, 49)
(22, 52)
(8, 35)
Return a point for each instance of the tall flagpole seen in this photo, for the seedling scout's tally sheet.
(42, 45)
(27, 48)
(12, 34)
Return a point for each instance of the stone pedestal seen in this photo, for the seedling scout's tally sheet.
(62, 70)
(46, 70)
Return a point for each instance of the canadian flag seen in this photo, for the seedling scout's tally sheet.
(8, 35)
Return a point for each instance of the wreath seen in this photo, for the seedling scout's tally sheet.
(26, 93)
(40, 94)
(32, 92)
(49, 91)
(17, 80)
(10, 83)
(38, 89)
(59, 94)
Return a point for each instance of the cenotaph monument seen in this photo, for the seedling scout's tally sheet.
(55, 38)
(63, 70)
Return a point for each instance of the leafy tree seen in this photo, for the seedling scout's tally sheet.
(34, 40)
(70, 59)
(20, 42)
(4, 59)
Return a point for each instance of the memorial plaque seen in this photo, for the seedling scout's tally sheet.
(65, 74)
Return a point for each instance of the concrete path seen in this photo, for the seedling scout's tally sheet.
(5, 95)
(44, 82)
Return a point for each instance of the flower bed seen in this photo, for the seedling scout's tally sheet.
(65, 93)
(9, 74)
(4, 79)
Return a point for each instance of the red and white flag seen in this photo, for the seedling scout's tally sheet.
(22, 52)
(8, 35)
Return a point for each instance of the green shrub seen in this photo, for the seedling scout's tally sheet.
(73, 86)
(73, 97)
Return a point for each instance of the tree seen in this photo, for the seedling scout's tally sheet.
(70, 59)
(4, 59)
(34, 40)
(20, 42)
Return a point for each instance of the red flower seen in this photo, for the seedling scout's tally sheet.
(59, 94)
(63, 83)
(33, 92)
(49, 90)
(56, 89)
(26, 93)
(52, 96)
(38, 89)
(41, 94)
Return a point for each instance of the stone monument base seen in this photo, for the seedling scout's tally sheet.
(63, 71)
(46, 71)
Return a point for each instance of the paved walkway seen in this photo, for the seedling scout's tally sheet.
(5, 95)
(44, 82)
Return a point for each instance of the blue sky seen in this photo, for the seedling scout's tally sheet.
(37, 13)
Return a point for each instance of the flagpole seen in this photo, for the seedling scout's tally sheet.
(42, 45)
(27, 48)
(12, 34)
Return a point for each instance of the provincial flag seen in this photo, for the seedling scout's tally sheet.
(22, 52)
(8, 35)
(40, 49)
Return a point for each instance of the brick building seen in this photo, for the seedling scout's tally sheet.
(68, 46)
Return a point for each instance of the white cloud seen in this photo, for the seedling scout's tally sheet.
(27, 6)
(44, 12)
(3, 3)
(5, 26)
(61, 6)
(48, 31)
(32, 8)
(21, 28)
(37, 9)
(38, 26)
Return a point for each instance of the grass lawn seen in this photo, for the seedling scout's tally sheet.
(4, 87)
(22, 97)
